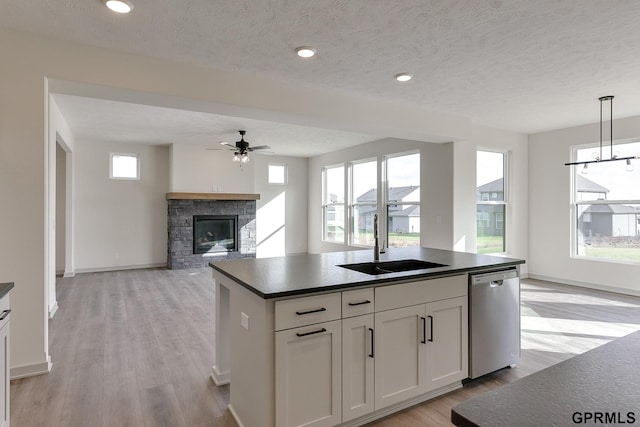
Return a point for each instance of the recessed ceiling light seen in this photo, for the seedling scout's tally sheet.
(305, 52)
(403, 77)
(119, 6)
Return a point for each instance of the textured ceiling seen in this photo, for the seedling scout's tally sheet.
(522, 65)
(103, 120)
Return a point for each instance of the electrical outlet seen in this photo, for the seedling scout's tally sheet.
(244, 321)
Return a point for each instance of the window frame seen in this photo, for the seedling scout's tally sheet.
(285, 173)
(326, 205)
(491, 202)
(576, 202)
(386, 203)
(125, 178)
(353, 204)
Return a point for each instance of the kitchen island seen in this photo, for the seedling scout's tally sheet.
(304, 340)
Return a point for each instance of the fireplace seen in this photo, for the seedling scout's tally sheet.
(215, 233)
(205, 227)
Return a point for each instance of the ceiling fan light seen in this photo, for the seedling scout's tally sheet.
(244, 158)
(119, 6)
(305, 52)
(236, 157)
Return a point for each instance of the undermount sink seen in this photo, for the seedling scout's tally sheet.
(385, 267)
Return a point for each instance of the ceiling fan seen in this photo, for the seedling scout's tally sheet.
(242, 148)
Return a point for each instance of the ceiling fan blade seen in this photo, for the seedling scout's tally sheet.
(259, 147)
(228, 145)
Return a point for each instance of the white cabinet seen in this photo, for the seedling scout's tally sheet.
(399, 355)
(447, 356)
(309, 375)
(358, 352)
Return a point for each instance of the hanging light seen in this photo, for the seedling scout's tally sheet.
(244, 158)
(598, 157)
(585, 169)
(236, 157)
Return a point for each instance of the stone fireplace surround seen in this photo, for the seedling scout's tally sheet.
(181, 209)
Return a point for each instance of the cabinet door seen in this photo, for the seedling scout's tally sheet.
(447, 342)
(358, 351)
(4, 375)
(399, 355)
(309, 375)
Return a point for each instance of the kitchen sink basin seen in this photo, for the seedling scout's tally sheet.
(385, 267)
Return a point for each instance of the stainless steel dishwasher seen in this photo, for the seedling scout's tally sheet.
(494, 321)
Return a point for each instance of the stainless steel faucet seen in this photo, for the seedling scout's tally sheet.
(376, 247)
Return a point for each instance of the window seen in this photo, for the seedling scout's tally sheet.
(606, 205)
(277, 174)
(398, 212)
(333, 204)
(364, 201)
(491, 203)
(124, 166)
(402, 204)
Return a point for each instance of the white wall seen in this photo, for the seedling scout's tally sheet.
(194, 169)
(436, 190)
(550, 218)
(120, 223)
(32, 64)
(282, 209)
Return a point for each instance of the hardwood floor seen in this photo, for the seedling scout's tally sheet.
(135, 348)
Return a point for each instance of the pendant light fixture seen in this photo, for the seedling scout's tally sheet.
(598, 157)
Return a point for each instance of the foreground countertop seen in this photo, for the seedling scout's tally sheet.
(308, 273)
(5, 288)
(605, 380)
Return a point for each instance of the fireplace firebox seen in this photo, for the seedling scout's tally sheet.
(215, 233)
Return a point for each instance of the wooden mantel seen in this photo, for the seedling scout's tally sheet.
(212, 196)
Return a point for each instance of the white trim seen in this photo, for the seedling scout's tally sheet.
(220, 378)
(119, 267)
(596, 286)
(53, 309)
(69, 274)
(32, 370)
(235, 416)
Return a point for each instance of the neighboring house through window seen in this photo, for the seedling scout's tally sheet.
(398, 211)
(491, 202)
(606, 205)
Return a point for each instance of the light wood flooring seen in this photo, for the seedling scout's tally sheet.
(135, 348)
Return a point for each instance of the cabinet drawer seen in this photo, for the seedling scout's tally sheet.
(355, 303)
(296, 312)
(420, 292)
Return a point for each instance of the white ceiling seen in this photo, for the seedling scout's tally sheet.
(521, 65)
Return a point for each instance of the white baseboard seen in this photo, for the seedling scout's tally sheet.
(69, 274)
(31, 370)
(595, 286)
(53, 309)
(220, 378)
(120, 267)
(235, 416)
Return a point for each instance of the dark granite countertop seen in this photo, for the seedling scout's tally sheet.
(308, 273)
(603, 383)
(5, 288)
